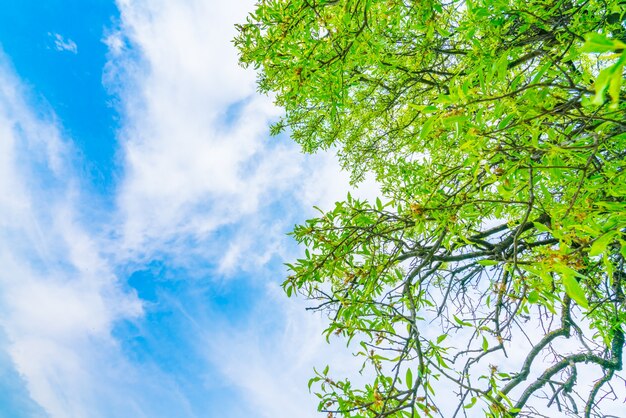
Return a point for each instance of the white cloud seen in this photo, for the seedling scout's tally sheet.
(63, 44)
(197, 161)
(114, 42)
(195, 143)
(183, 164)
(59, 298)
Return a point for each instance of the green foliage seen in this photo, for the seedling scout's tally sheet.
(497, 131)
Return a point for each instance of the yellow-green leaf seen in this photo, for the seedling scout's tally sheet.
(615, 85)
(600, 244)
(409, 378)
(596, 43)
(574, 290)
(426, 128)
(601, 85)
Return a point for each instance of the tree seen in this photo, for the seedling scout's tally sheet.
(493, 267)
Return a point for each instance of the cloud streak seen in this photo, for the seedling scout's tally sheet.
(204, 185)
(195, 146)
(59, 298)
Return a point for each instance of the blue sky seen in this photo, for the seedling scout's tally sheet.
(143, 212)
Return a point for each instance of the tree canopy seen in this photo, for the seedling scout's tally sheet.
(489, 278)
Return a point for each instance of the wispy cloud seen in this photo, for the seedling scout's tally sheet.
(204, 182)
(63, 44)
(188, 170)
(196, 151)
(59, 298)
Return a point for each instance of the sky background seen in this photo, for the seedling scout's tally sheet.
(143, 213)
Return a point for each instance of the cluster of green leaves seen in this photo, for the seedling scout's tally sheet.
(497, 131)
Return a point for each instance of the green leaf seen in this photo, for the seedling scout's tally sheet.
(504, 122)
(487, 262)
(533, 296)
(574, 290)
(615, 85)
(610, 79)
(379, 204)
(461, 322)
(538, 271)
(601, 85)
(597, 43)
(441, 338)
(427, 128)
(600, 244)
(608, 265)
(471, 403)
(485, 344)
(541, 227)
(409, 378)
(313, 380)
